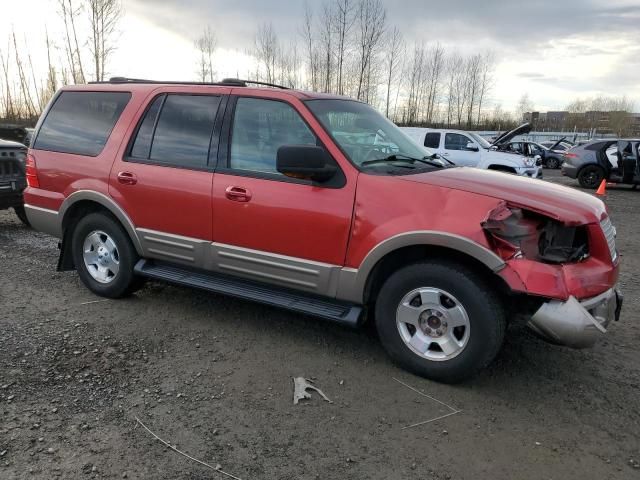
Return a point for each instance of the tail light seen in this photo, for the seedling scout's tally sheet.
(32, 172)
(570, 155)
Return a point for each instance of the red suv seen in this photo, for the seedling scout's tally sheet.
(318, 204)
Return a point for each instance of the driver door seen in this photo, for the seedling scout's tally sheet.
(267, 226)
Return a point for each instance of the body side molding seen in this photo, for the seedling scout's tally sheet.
(352, 282)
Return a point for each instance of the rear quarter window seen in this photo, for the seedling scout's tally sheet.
(81, 122)
(432, 140)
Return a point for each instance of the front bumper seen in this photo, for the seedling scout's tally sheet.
(577, 324)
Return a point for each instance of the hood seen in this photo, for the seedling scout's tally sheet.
(507, 136)
(512, 157)
(563, 204)
(555, 145)
(10, 144)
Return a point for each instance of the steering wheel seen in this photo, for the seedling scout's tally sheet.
(376, 153)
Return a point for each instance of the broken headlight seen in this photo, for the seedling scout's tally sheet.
(518, 233)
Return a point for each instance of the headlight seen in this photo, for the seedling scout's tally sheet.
(517, 233)
(529, 162)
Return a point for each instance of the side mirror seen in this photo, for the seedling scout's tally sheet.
(305, 161)
(472, 147)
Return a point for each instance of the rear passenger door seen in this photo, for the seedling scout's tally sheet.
(164, 178)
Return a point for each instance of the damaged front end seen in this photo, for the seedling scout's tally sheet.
(567, 269)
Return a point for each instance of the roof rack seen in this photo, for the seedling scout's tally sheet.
(227, 82)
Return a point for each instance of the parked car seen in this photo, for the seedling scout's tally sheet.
(471, 150)
(613, 159)
(12, 177)
(320, 205)
(550, 157)
(14, 133)
(561, 145)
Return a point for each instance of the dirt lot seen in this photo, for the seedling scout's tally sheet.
(213, 376)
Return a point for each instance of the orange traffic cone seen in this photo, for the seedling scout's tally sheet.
(602, 189)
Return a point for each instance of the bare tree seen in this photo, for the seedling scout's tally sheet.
(524, 105)
(326, 39)
(371, 25)
(104, 16)
(396, 46)
(266, 50)
(313, 60)
(344, 20)
(52, 78)
(434, 67)
(69, 14)
(30, 107)
(486, 80)
(206, 45)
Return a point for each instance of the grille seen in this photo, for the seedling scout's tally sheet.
(9, 169)
(610, 233)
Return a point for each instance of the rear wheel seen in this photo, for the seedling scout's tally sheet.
(104, 256)
(591, 176)
(22, 215)
(553, 163)
(440, 320)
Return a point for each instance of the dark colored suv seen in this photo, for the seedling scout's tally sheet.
(318, 204)
(12, 177)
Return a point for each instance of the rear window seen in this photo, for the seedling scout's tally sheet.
(432, 140)
(81, 122)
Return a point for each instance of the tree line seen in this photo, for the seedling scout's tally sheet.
(344, 47)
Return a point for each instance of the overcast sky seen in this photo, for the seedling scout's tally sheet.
(554, 50)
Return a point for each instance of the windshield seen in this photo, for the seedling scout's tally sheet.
(481, 140)
(363, 133)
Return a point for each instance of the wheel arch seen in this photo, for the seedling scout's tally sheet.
(82, 203)
(360, 285)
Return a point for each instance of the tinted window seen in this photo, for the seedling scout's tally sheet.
(142, 145)
(432, 140)
(81, 122)
(183, 131)
(260, 127)
(455, 141)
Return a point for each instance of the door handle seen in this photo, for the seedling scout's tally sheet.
(238, 194)
(127, 178)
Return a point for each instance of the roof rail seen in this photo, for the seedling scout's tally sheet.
(227, 82)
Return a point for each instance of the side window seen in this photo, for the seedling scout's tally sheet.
(142, 145)
(432, 140)
(455, 141)
(176, 130)
(260, 127)
(81, 122)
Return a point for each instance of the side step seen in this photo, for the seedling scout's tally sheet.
(334, 310)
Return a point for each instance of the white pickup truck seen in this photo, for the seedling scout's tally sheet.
(470, 149)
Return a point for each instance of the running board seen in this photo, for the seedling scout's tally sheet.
(334, 310)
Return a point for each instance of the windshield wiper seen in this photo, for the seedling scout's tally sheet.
(398, 157)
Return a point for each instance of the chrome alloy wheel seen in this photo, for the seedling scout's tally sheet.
(101, 257)
(433, 324)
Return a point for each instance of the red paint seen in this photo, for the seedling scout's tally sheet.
(339, 226)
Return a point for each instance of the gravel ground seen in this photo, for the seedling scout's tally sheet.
(213, 376)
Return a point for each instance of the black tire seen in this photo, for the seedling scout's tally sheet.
(124, 282)
(22, 215)
(590, 176)
(553, 163)
(481, 301)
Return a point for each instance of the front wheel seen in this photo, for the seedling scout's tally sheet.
(440, 320)
(104, 256)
